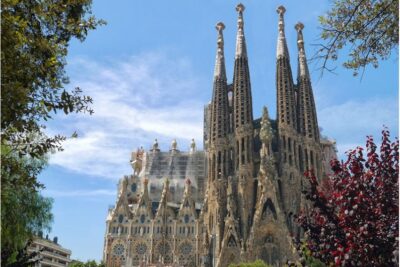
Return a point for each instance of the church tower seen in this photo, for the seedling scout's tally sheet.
(307, 121)
(289, 147)
(218, 150)
(243, 129)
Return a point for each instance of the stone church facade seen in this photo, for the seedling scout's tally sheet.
(236, 200)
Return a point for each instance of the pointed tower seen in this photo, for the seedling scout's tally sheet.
(218, 166)
(217, 152)
(307, 123)
(243, 129)
(289, 141)
(284, 82)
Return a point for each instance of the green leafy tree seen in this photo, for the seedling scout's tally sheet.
(367, 29)
(23, 210)
(257, 263)
(89, 263)
(35, 37)
(34, 41)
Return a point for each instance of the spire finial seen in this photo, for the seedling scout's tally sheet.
(282, 47)
(240, 8)
(219, 70)
(299, 28)
(303, 68)
(281, 11)
(220, 27)
(241, 50)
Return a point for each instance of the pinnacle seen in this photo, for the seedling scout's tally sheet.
(299, 26)
(220, 26)
(281, 10)
(240, 7)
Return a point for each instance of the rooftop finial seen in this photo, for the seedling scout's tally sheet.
(303, 68)
(281, 11)
(240, 8)
(241, 50)
(299, 28)
(282, 47)
(219, 70)
(220, 27)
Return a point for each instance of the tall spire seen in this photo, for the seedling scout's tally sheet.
(219, 123)
(219, 71)
(303, 68)
(282, 50)
(308, 124)
(243, 129)
(242, 102)
(286, 104)
(241, 50)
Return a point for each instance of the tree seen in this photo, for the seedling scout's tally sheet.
(35, 37)
(257, 263)
(24, 211)
(369, 29)
(357, 223)
(34, 41)
(89, 263)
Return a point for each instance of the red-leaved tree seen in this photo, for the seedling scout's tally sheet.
(357, 223)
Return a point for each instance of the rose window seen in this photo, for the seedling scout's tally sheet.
(141, 248)
(186, 248)
(118, 249)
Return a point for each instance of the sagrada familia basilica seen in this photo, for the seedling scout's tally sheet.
(236, 200)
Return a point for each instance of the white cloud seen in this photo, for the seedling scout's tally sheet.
(135, 100)
(80, 193)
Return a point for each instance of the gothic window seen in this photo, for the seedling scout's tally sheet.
(231, 242)
(186, 218)
(163, 248)
(269, 211)
(269, 239)
(120, 218)
(141, 248)
(186, 248)
(142, 218)
(133, 187)
(118, 249)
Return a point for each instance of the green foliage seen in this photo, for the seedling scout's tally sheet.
(369, 29)
(89, 263)
(307, 259)
(34, 42)
(257, 263)
(35, 37)
(23, 210)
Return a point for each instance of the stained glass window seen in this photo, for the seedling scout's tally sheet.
(118, 249)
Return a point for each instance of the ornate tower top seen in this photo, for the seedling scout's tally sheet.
(241, 50)
(219, 71)
(192, 146)
(303, 68)
(155, 145)
(282, 50)
(174, 144)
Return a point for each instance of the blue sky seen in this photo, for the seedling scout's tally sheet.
(149, 71)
